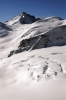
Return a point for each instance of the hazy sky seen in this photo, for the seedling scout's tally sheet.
(39, 8)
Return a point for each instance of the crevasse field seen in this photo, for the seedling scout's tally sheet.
(33, 59)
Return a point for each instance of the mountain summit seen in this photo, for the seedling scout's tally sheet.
(23, 18)
(27, 18)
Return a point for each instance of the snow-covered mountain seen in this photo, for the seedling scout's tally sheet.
(33, 58)
(23, 18)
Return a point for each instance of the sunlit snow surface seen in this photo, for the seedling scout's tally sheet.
(32, 75)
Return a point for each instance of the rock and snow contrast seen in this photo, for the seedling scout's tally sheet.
(33, 58)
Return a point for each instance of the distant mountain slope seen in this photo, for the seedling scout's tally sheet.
(4, 29)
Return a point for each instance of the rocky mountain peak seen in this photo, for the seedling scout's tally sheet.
(27, 18)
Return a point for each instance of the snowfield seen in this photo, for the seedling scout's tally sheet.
(33, 59)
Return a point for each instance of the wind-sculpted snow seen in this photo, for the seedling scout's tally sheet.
(38, 64)
(39, 70)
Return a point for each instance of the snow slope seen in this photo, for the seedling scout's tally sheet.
(33, 59)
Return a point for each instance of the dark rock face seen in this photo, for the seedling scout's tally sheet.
(27, 18)
(11, 53)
